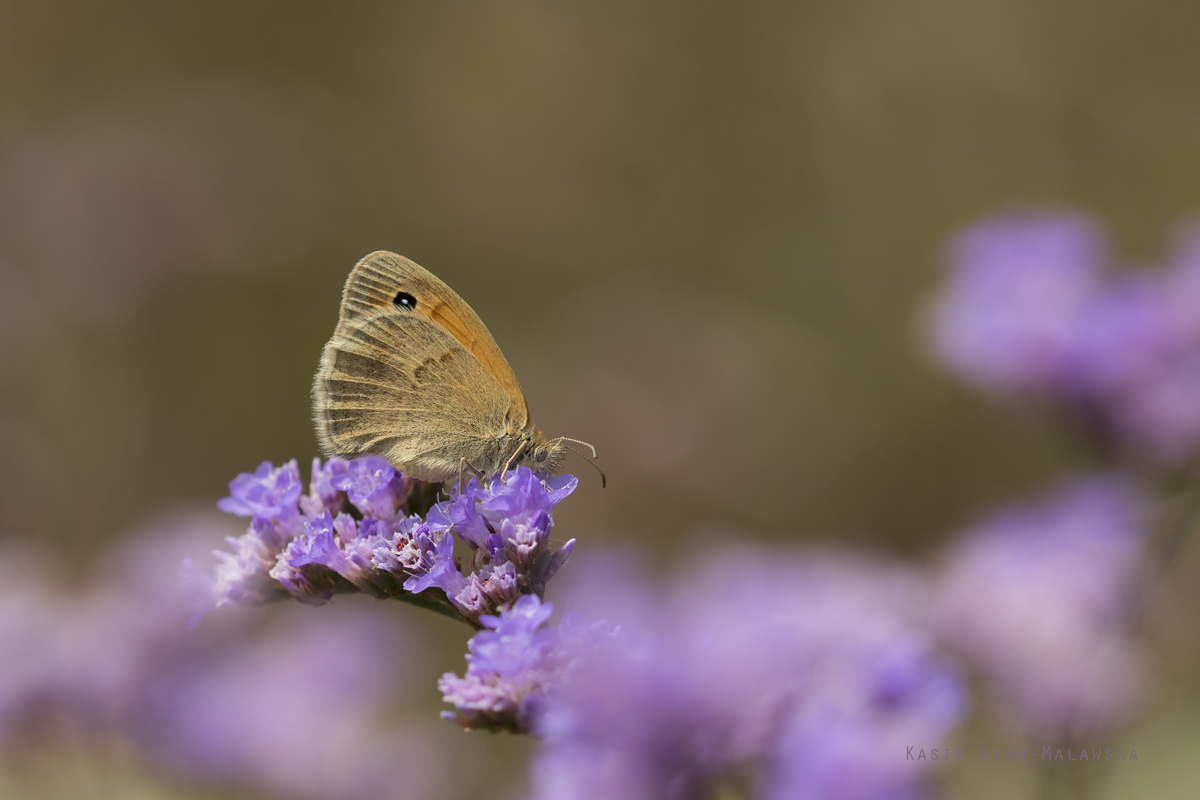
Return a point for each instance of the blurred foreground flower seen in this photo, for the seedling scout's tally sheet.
(1030, 310)
(802, 677)
(1039, 599)
(293, 708)
(363, 527)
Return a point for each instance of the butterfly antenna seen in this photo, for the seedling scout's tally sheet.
(603, 477)
(579, 441)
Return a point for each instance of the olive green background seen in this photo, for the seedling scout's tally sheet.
(702, 233)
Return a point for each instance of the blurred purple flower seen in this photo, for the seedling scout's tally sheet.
(1037, 598)
(1029, 310)
(1017, 289)
(831, 749)
(1138, 353)
(244, 576)
(296, 711)
(733, 687)
(293, 709)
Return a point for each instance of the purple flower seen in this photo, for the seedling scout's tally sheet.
(306, 581)
(322, 495)
(1017, 289)
(523, 496)
(243, 576)
(712, 687)
(437, 564)
(831, 749)
(294, 704)
(490, 587)
(320, 546)
(309, 548)
(412, 548)
(511, 519)
(1138, 354)
(295, 712)
(506, 648)
(268, 492)
(373, 487)
(343, 546)
(513, 664)
(1036, 598)
(506, 524)
(469, 524)
(1028, 310)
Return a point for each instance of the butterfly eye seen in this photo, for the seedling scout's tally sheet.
(405, 300)
(540, 454)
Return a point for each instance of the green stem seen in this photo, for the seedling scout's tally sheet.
(437, 606)
(1183, 524)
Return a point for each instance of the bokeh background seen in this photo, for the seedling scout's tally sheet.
(702, 233)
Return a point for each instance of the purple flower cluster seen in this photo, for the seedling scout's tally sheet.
(297, 710)
(507, 526)
(354, 531)
(1038, 599)
(1031, 309)
(805, 678)
(513, 664)
(290, 706)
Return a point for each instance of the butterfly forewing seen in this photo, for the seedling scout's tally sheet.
(378, 279)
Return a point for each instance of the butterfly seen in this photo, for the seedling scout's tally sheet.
(413, 375)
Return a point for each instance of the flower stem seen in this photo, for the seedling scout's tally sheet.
(1184, 522)
(437, 606)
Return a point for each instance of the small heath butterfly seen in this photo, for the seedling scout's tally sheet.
(411, 374)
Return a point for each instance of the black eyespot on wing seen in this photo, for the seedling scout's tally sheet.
(405, 301)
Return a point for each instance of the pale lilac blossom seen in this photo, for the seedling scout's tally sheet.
(1038, 598)
(1031, 309)
(293, 705)
(1016, 292)
(750, 662)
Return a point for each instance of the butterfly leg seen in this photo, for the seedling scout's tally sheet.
(464, 464)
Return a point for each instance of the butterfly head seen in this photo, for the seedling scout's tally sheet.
(544, 456)
(541, 454)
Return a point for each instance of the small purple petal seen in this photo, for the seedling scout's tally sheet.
(268, 492)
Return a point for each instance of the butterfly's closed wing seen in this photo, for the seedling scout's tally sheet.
(378, 279)
(418, 381)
